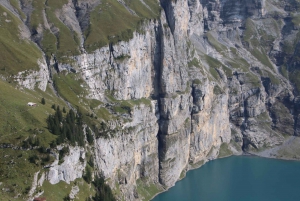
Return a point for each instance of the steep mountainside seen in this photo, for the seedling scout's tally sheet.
(148, 88)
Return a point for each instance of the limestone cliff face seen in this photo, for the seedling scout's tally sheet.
(210, 123)
(133, 153)
(127, 68)
(71, 167)
(197, 108)
(31, 79)
(185, 124)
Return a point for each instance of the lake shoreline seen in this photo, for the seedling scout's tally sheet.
(271, 172)
(244, 153)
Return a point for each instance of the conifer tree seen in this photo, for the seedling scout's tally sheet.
(89, 136)
(103, 191)
(88, 175)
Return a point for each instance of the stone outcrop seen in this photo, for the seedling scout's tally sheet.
(71, 168)
(31, 79)
(133, 153)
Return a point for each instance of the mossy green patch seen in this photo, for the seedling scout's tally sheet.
(73, 89)
(294, 77)
(16, 4)
(214, 63)
(16, 54)
(85, 190)
(67, 41)
(217, 90)
(236, 145)
(250, 29)
(239, 63)
(262, 57)
(143, 11)
(125, 106)
(197, 81)
(104, 114)
(182, 174)
(49, 43)
(283, 70)
(197, 165)
(214, 73)
(296, 19)
(56, 192)
(111, 21)
(36, 17)
(289, 45)
(194, 62)
(224, 151)
(216, 44)
(273, 79)
(69, 87)
(146, 190)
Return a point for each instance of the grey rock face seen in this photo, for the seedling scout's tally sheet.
(133, 154)
(210, 123)
(71, 169)
(131, 78)
(199, 104)
(31, 79)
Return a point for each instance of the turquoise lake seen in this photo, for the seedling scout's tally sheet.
(239, 178)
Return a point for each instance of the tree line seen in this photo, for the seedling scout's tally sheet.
(68, 128)
(103, 191)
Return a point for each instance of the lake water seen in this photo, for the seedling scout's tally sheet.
(239, 178)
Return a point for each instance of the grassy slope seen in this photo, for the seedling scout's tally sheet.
(61, 190)
(216, 44)
(231, 64)
(16, 173)
(111, 21)
(67, 41)
(18, 122)
(72, 90)
(147, 190)
(290, 47)
(257, 48)
(224, 151)
(100, 32)
(17, 119)
(16, 5)
(36, 17)
(15, 54)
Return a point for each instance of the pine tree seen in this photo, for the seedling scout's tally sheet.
(37, 142)
(88, 175)
(53, 107)
(103, 191)
(91, 162)
(72, 116)
(59, 115)
(89, 136)
(69, 128)
(43, 101)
